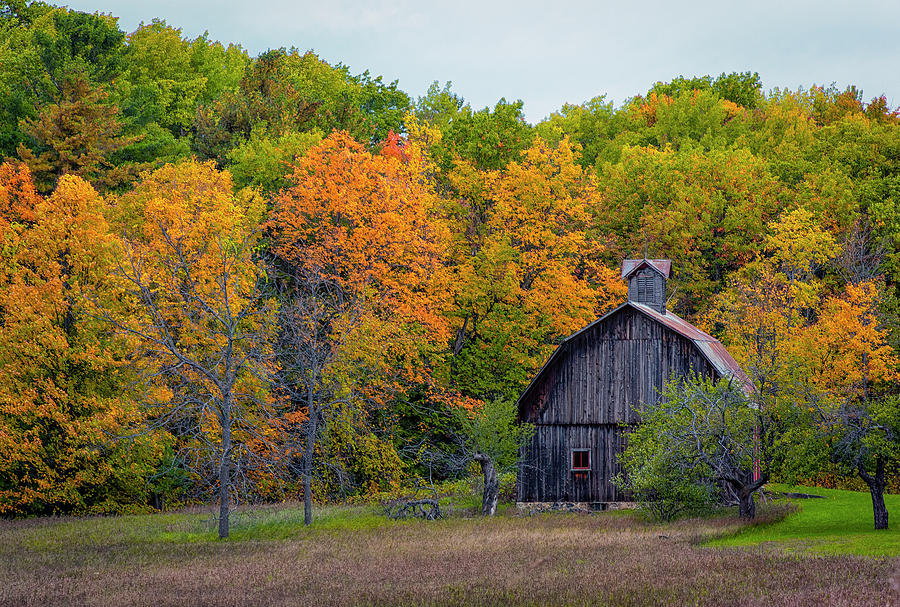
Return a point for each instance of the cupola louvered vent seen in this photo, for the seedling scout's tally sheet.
(647, 281)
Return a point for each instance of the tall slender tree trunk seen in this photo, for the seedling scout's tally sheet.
(491, 493)
(309, 451)
(876, 489)
(225, 470)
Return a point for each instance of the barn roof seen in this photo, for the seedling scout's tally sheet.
(711, 348)
(663, 266)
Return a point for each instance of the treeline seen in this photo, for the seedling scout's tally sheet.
(273, 274)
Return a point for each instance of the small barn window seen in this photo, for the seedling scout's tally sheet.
(581, 459)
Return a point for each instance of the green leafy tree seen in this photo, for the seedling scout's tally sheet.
(742, 88)
(494, 439)
(707, 211)
(593, 125)
(42, 48)
(698, 446)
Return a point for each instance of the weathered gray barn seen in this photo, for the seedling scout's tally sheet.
(583, 398)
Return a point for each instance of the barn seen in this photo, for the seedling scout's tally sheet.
(588, 393)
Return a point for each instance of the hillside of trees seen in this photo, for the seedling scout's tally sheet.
(273, 277)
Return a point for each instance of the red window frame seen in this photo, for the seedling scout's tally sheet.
(581, 460)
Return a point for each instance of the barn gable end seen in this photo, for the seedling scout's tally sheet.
(589, 391)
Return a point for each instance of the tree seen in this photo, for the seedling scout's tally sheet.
(863, 436)
(702, 441)
(707, 211)
(199, 320)
(314, 316)
(41, 48)
(494, 440)
(488, 138)
(63, 376)
(368, 221)
(853, 370)
(368, 224)
(529, 266)
(77, 135)
(742, 88)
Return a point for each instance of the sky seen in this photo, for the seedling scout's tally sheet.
(554, 52)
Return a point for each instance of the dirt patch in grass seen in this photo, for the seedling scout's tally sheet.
(601, 559)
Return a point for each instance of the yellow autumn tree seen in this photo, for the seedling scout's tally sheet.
(63, 395)
(198, 319)
(528, 263)
(848, 346)
(771, 301)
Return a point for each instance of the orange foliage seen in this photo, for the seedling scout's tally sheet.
(849, 344)
(17, 193)
(368, 221)
(60, 382)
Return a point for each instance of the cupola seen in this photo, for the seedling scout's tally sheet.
(647, 281)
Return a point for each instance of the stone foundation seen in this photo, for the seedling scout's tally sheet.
(530, 508)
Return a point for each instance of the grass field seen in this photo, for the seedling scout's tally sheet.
(355, 556)
(841, 523)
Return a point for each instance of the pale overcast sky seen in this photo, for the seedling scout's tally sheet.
(549, 53)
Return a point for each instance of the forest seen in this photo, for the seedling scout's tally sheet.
(226, 277)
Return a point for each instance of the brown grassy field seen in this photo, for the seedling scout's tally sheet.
(362, 559)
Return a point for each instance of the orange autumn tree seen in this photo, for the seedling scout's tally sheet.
(855, 407)
(848, 348)
(528, 265)
(63, 391)
(368, 225)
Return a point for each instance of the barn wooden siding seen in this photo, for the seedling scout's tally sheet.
(586, 394)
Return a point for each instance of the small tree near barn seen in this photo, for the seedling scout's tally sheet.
(493, 437)
(700, 445)
(853, 395)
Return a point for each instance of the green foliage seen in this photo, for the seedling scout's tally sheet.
(493, 430)
(656, 475)
(708, 212)
(742, 88)
(283, 92)
(41, 49)
(593, 126)
(265, 161)
(696, 436)
(489, 139)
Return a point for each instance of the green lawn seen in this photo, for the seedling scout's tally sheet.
(841, 523)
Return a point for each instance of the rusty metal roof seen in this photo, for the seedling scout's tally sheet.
(711, 348)
(663, 266)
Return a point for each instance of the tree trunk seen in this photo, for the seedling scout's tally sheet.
(491, 484)
(876, 488)
(746, 505)
(225, 471)
(309, 451)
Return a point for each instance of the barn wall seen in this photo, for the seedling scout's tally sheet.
(544, 467)
(586, 395)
